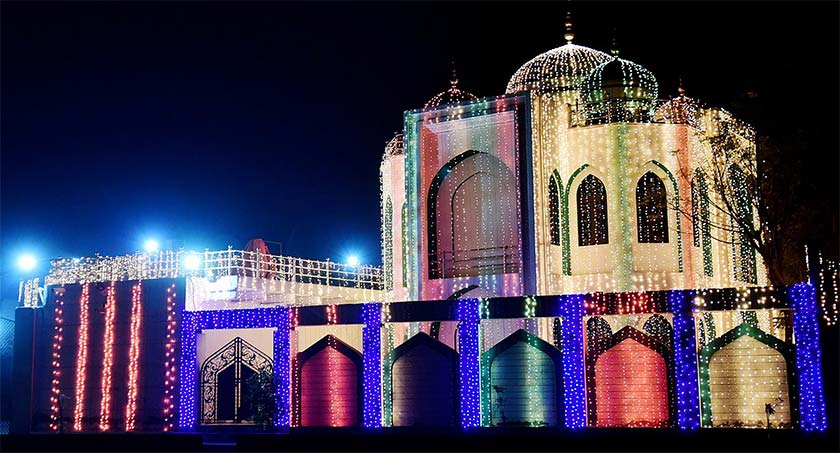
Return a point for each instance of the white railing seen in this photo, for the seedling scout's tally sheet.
(171, 264)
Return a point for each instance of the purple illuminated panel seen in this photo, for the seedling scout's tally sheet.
(685, 358)
(574, 387)
(808, 357)
(196, 321)
(372, 371)
(469, 365)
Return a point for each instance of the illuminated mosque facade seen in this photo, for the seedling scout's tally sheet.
(577, 179)
(541, 267)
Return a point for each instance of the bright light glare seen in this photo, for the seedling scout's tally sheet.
(26, 263)
(353, 260)
(151, 245)
(192, 261)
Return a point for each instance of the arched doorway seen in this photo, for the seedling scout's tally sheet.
(328, 376)
(224, 381)
(472, 218)
(522, 382)
(422, 380)
(742, 371)
(630, 380)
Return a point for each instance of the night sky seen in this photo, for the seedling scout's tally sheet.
(212, 123)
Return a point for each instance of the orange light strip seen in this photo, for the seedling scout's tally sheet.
(81, 357)
(58, 337)
(108, 359)
(134, 355)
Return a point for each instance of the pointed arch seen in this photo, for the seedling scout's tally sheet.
(707, 353)
(676, 187)
(653, 355)
(651, 210)
(483, 239)
(659, 327)
(743, 254)
(593, 226)
(404, 244)
(567, 258)
(237, 355)
(555, 193)
(518, 364)
(597, 328)
(388, 242)
(328, 364)
(700, 219)
(410, 370)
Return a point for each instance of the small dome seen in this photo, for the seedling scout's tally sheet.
(395, 145)
(619, 79)
(558, 70)
(453, 95)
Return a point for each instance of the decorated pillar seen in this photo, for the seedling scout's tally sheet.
(469, 365)
(685, 358)
(806, 330)
(372, 371)
(574, 384)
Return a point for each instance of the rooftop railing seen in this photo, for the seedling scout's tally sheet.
(680, 110)
(212, 264)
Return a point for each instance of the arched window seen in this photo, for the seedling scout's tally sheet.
(388, 240)
(700, 219)
(743, 252)
(473, 223)
(651, 209)
(554, 209)
(592, 212)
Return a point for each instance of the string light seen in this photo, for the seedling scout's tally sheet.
(572, 312)
(108, 357)
(372, 369)
(192, 322)
(469, 362)
(55, 383)
(170, 368)
(808, 357)
(136, 324)
(685, 358)
(82, 357)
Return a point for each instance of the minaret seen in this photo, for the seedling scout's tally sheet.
(454, 80)
(569, 34)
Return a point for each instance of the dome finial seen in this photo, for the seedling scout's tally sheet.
(681, 88)
(454, 80)
(569, 34)
(614, 50)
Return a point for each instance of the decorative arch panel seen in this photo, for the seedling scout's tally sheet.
(224, 381)
(630, 380)
(522, 382)
(328, 379)
(422, 381)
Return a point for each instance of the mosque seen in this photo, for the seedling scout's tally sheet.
(549, 260)
(577, 179)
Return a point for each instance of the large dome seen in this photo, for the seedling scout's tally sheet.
(453, 95)
(558, 70)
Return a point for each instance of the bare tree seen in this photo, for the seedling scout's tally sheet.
(745, 193)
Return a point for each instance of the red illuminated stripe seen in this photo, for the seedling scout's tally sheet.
(134, 355)
(108, 359)
(81, 357)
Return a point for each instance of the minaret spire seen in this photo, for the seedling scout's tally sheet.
(569, 33)
(681, 88)
(614, 50)
(454, 79)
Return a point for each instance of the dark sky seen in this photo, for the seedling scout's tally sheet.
(213, 123)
